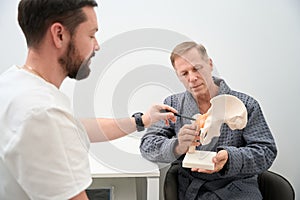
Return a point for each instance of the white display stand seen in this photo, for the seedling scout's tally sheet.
(199, 159)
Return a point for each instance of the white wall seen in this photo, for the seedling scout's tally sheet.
(254, 44)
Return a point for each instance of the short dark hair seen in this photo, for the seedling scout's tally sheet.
(35, 16)
(184, 47)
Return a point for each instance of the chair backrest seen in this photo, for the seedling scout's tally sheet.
(272, 185)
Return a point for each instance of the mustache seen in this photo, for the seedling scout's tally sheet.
(92, 55)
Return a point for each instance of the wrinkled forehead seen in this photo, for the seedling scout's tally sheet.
(192, 57)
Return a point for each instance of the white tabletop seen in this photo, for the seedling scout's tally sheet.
(120, 158)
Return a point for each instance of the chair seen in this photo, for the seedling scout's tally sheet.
(272, 185)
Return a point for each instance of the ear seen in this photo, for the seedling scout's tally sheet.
(59, 34)
(210, 62)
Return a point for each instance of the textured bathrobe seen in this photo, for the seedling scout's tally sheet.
(251, 151)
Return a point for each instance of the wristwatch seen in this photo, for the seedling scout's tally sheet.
(138, 121)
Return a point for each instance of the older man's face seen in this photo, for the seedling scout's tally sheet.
(194, 72)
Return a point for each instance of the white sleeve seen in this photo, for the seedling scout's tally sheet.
(49, 155)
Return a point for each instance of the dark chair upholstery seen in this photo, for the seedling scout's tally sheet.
(171, 182)
(272, 185)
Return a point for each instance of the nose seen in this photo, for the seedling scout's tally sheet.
(193, 77)
(97, 46)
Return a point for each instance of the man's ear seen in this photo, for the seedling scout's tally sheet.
(59, 34)
(210, 62)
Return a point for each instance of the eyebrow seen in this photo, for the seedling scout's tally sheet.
(181, 72)
(94, 30)
(198, 66)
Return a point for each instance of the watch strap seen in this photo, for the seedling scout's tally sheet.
(139, 121)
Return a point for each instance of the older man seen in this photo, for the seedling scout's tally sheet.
(241, 154)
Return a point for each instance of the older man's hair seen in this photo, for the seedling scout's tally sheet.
(184, 47)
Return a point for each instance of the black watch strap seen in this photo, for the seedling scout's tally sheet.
(138, 121)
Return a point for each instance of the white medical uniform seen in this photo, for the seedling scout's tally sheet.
(43, 148)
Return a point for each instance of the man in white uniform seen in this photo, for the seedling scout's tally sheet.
(43, 148)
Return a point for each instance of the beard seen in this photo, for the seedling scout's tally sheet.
(76, 67)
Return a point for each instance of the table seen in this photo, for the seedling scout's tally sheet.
(132, 165)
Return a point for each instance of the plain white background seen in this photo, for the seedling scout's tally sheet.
(254, 44)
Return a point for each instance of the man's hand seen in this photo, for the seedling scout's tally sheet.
(220, 160)
(154, 114)
(187, 136)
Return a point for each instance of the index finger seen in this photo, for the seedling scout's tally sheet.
(167, 108)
